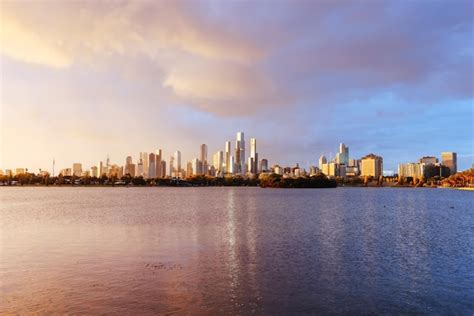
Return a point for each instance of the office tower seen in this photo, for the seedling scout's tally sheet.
(172, 167)
(144, 158)
(151, 166)
(189, 169)
(163, 169)
(429, 160)
(139, 170)
(240, 153)
(203, 157)
(77, 169)
(322, 161)
(372, 166)
(93, 172)
(177, 158)
(449, 159)
(263, 165)
(232, 165)
(342, 157)
(412, 169)
(128, 166)
(228, 156)
(253, 163)
(158, 163)
(218, 162)
(195, 164)
(100, 169)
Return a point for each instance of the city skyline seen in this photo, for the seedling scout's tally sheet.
(81, 80)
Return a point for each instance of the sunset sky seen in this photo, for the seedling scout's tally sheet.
(80, 80)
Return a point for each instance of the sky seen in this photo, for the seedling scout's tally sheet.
(83, 80)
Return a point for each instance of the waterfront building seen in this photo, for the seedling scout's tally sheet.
(203, 156)
(322, 161)
(144, 158)
(177, 158)
(189, 168)
(151, 166)
(67, 172)
(94, 172)
(449, 159)
(313, 170)
(372, 166)
(263, 165)
(429, 160)
(352, 171)
(172, 167)
(228, 164)
(253, 161)
(77, 169)
(100, 169)
(342, 157)
(8, 172)
(196, 166)
(411, 169)
(218, 162)
(158, 157)
(163, 169)
(240, 153)
(277, 169)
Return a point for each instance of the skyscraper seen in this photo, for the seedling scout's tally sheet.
(371, 165)
(151, 165)
(177, 158)
(450, 160)
(322, 161)
(77, 169)
(253, 161)
(144, 157)
(342, 156)
(263, 165)
(204, 163)
(172, 167)
(240, 153)
(228, 155)
(158, 163)
(218, 162)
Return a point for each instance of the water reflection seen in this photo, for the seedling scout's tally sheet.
(235, 251)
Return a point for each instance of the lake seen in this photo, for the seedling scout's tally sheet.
(223, 250)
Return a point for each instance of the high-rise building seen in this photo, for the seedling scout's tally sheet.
(428, 160)
(411, 169)
(372, 166)
(100, 169)
(228, 155)
(139, 171)
(129, 165)
(322, 161)
(172, 167)
(189, 169)
(151, 166)
(449, 159)
(240, 153)
(77, 169)
(144, 158)
(177, 158)
(195, 165)
(218, 162)
(163, 169)
(93, 172)
(342, 157)
(263, 165)
(253, 162)
(158, 163)
(203, 156)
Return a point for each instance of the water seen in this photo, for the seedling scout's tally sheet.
(236, 251)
